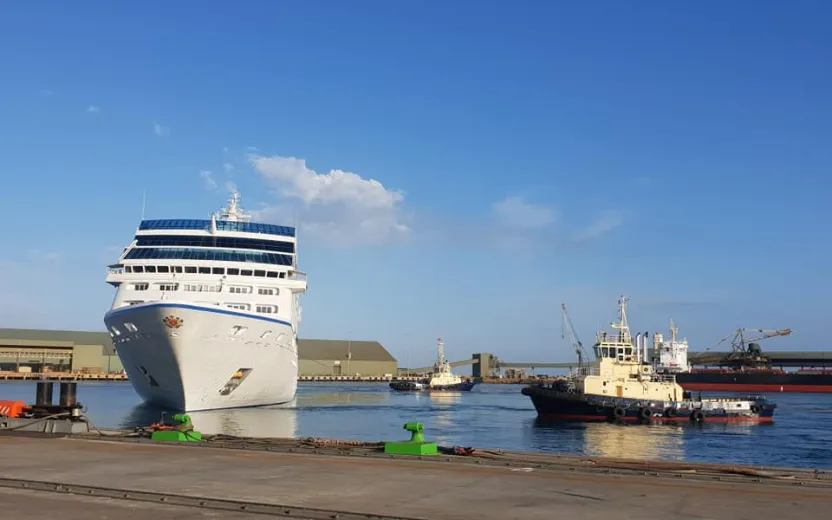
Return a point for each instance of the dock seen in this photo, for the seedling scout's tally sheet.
(118, 475)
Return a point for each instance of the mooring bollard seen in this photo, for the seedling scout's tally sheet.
(69, 394)
(44, 394)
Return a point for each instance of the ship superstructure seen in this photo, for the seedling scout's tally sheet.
(206, 311)
(671, 356)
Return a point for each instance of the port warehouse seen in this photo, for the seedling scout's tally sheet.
(92, 352)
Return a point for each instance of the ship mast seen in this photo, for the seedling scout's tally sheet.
(233, 212)
(623, 325)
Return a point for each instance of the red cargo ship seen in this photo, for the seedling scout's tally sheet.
(745, 369)
(760, 379)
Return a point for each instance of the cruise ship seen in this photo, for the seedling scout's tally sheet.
(206, 311)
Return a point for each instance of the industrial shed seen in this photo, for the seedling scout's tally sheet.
(66, 350)
(337, 357)
(58, 351)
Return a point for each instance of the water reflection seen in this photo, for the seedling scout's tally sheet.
(634, 441)
(610, 440)
(443, 403)
(249, 422)
(340, 398)
(269, 421)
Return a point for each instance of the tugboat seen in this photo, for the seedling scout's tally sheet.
(441, 379)
(622, 386)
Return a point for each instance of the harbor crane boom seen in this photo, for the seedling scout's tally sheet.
(573, 337)
(742, 346)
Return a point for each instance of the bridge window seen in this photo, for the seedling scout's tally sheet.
(271, 274)
(245, 272)
(267, 291)
(162, 268)
(222, 225)
(168, 287)
(150, 268)
(239, 306)
(140, 286)
(190, 270)
(267, 309)
(233, 271)
(213, 241)
(218, 270)
(239, 289)
(177, 269)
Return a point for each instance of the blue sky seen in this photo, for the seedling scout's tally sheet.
(461, 168)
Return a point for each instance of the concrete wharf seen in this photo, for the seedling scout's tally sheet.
(116, 475)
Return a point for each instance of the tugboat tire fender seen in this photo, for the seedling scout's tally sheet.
(645, 413)
(755, 408)
(619, 412)
(697, 416)
(670, 412)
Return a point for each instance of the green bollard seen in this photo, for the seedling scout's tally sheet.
(415, 446)
(183, 432)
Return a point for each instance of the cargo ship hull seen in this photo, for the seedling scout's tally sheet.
(755, 381)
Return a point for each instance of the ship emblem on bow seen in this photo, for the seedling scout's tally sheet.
(174, 322)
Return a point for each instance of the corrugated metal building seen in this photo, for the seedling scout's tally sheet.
(65, 350)
(336, 357)
(59, 350)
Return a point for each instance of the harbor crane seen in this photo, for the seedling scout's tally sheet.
(744, 348)
(567, 328)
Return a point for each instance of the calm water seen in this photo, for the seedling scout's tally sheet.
(495, 416)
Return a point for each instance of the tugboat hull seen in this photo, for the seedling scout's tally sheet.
(551, 403)
(411, 386)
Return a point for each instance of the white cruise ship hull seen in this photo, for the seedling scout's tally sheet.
(182, 356)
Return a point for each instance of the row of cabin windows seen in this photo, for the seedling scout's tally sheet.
(196, 287)
(265, 309)
(261, 308)
(188, 269)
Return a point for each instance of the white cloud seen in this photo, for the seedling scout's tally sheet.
(92, 109)
(228, 166)
(338, 207)
(208, 179)
(515, 212)
(231, 187)
(603, 224)
(160, 130)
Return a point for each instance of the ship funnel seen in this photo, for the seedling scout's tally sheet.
(645, 347)
(638, 343)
